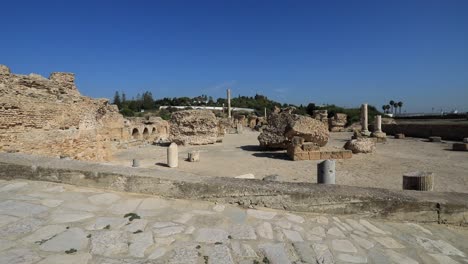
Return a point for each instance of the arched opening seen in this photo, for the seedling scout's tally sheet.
(135, 133)
(145, 133)
(153, 131)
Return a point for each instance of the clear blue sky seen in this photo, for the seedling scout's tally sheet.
(341, 52)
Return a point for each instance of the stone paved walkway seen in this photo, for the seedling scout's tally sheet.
(53, 223)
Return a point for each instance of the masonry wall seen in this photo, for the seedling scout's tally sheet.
(49, 116)
(446, 131)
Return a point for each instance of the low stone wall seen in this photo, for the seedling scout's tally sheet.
(451, 208)
(446, 131)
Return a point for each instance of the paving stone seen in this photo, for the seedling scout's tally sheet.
(164, 224)
(164, 240)
(293, 236)
(139, 243)
(354, 224)
(81, 258)
(352, 258)
(13, 186)
(219, 208)
(112, 222)
(260, 214)
(73, 238)
(265, 230)
(202, 212)
(305, 252)
(442, 259)
(219, 254)
(243, 250)
(189, 230)
(104, 198)
(283, 223)
(123, 207)
(364, 243)
(109, 243)
(80, 206)
(322, 220)
(295, 218)
(275, 252)
(157, 253)
(388, 242)
(343, 246)
(324, 256)
(335, 232)
(399, 258)
(371, 227)
(184, 218)
(6, 244)
(55, 189)
(168, 231)
(136, 224)
(45, 233)
(62, 216)
(153, 204)
(312, 237)
(20, 227)
(435, 246)
(6, 219)
(318, 231)
(184, 255)
(51, 202)
(413, 225)
(19, 256)
(21, 209)
(242, 232)
(211, 235)
(359, 233)
(340, 226)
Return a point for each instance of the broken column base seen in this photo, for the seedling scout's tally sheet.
(380, 137)
(306, 152)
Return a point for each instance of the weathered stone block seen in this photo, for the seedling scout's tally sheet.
(309, 146)
(435, 139)
(460, 146)
(4, 70)
(399, 136)
(419, 181)
(194, 156)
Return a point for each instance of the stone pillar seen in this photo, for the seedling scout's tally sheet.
(364, 120)
(419, 181)
(172, 156)
(265, 115)
(229, 102)
(378, 124)
(326, 172)
(135, 163)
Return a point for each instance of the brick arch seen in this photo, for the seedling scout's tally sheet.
(135, 133)
(145, 132)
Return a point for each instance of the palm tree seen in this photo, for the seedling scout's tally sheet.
(384, 108)
(400, 104)
(392, 103)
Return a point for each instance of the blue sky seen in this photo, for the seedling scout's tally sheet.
(341, 52)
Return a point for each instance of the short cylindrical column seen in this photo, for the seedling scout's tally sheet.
(229, 102)
(239, 128)
(172, 156)
(418, 180)
(326, 172)
(364, 118)
(194, 156)
(378, 123)
(135, 163)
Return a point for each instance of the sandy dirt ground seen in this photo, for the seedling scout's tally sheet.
(239, 154)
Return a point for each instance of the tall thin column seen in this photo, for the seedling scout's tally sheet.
(229, 102)
(364, 119)
(265, 114)
(378, 123)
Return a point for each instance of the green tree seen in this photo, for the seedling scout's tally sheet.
(392, 104)
(117, 100)
(400, 104)
(310, 108)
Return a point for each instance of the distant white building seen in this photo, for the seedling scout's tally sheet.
(217, 108)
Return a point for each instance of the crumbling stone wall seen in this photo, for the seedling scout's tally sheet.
(49, 116)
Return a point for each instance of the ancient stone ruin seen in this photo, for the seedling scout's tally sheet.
(283, 126)
(321, 115)
(49, 116)
(194, 127)
(337, 123)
